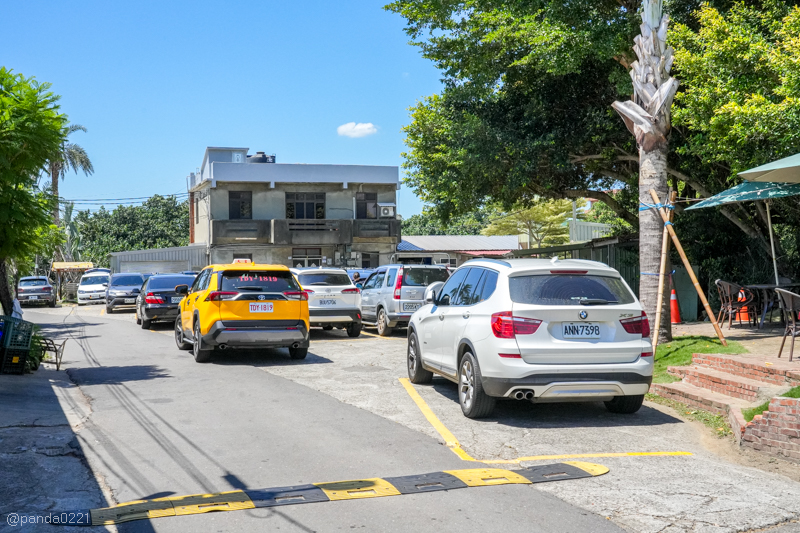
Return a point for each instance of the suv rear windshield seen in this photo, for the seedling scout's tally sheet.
(258, 280)
(320, 278)
(127, 280)
(94, 280)
(568, 290)
(422, 277)
(32, 282)
(170, 282)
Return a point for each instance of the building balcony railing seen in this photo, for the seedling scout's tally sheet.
(304, 231)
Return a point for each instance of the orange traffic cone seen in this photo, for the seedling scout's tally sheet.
(743, 313)
(674, 310)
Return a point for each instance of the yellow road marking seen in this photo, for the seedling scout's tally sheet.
(580, 456)
(452, 442)
(102, 312)
(449, 439)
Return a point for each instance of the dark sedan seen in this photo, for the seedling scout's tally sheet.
(158, 300)
(36, 289)
(122, 291)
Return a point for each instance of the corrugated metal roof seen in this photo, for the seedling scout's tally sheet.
(458, 242)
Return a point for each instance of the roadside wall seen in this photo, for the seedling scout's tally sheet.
(776, 431)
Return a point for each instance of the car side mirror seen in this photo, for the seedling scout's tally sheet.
(105, 284)
(182, 289)
(432, 292)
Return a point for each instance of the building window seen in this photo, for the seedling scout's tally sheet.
(306, 257)
(240, 205)
(366, 205)
(305, 205)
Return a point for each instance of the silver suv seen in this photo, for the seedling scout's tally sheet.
(393, 292)
(533, 329)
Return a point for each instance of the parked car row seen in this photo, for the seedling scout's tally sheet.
(526, 329)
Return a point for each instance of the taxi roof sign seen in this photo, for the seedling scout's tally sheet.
(242, 260)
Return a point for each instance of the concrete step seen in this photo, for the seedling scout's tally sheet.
(727, 384)
(707, 400)
(776, 371)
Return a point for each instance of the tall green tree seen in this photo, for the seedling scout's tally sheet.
(544, 222)
(427, 223)
(160, 222)
(31, 130)
(69, 157)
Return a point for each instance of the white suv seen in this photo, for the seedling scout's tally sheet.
(333, 299)
(534, 329)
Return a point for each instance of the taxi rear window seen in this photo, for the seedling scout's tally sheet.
(258, 281)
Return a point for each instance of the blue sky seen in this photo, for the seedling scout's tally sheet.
(156, 82)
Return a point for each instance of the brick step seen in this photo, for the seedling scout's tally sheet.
(727, 384)
(707, 400)
(779, 372)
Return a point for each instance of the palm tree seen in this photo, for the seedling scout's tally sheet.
(70, 157)
(647, 116)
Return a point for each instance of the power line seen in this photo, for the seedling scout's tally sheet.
(100, 200)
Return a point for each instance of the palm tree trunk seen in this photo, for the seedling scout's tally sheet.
(54, 183)
(6, 298)
(652, 175)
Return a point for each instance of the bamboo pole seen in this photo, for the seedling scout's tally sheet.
(685, 259)
(661, 272)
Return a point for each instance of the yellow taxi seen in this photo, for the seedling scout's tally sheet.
(242, 305)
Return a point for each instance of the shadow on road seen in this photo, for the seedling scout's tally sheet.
(268, 357)
(114, 375)
(524, 414)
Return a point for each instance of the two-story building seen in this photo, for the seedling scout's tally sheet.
(249, 206)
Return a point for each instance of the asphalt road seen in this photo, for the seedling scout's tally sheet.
(163, 425)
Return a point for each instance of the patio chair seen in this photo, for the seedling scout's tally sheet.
(734, 299)
(791, 305)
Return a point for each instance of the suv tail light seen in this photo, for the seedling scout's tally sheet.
(309, 291)
(21, 289)
(351, 291)
(296, 295)
(399, 284)
(507, 326)
(637, 324)
(216, 296)
(151, 298)
(47, 289)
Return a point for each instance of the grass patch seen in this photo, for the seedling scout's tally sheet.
(679, 353)
(749, 414)
(718, 423)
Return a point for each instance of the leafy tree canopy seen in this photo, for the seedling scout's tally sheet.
(31, 128)
(160, 222)
(427, 224)
(545, 222)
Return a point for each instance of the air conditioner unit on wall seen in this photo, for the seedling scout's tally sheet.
(386, 210)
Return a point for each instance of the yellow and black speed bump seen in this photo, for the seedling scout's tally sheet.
(287, 495)
(336, 490)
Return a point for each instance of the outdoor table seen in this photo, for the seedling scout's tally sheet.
(765, 299)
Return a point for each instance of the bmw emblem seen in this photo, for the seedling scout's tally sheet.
(262, 297)
(584, 315)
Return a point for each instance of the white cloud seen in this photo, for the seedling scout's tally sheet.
(362, 129)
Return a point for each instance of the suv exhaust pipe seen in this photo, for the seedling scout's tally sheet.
(296, 345)
(223, 346)
(519, 395)
(529, 396)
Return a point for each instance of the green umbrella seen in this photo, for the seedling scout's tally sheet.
(750, 191)
(786, 170)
